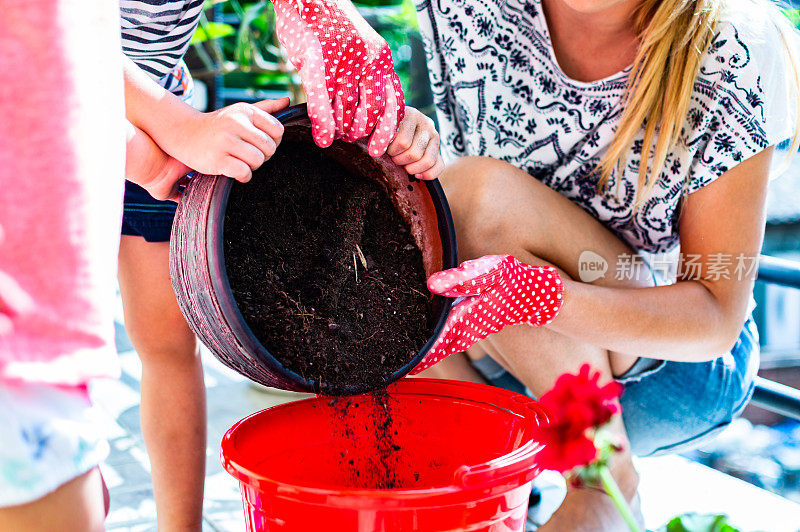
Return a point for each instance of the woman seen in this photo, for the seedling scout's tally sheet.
(545, 109)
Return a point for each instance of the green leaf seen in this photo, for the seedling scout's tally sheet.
(793, 15)
(246, 46)
(694, 522)
(272, 78)
(407, 16)
(211, 30)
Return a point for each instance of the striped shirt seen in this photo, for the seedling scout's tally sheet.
(156, 35)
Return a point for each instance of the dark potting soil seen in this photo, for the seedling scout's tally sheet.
(325, 270)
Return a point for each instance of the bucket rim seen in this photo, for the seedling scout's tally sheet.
(468, 482)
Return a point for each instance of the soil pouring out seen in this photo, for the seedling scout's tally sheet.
(329, 278)
(325, 270)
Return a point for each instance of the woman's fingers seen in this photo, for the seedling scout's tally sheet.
(469, 279)
(418, 150)
(338, 115)
(449, 340)
(346, 103)
(14, 301)
(320, 109)
(320, 112)
(361, 119)
(404, 139)
(6, 326)
(387, 124)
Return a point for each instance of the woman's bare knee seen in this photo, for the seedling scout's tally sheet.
(498, 209)
(484, 200)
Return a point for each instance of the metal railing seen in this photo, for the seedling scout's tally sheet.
(768, 394)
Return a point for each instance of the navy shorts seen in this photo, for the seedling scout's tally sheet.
(145, 216)
(668, 406)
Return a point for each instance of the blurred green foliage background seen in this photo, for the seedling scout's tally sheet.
(235, 50)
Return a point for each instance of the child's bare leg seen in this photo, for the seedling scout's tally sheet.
(173, 408)
(75, 505)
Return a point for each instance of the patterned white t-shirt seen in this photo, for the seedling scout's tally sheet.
(499, 92)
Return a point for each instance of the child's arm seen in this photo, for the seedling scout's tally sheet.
(416, 146)
(231, 141)
(150, 167)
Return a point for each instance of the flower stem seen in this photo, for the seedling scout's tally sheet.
(610, 485)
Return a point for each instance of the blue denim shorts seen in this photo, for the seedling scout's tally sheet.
(668, 406)
(145, 216)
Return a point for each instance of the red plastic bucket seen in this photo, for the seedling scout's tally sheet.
(462, 457)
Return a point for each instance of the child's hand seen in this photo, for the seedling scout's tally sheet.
(150, 167)
(164, 183)
(232, 141)
(416, 146)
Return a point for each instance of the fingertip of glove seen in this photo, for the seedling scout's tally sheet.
(323, 140)
(377, 145)
(439, 282)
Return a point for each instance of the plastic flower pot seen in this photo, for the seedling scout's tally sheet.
(197, 262)
(465, 459)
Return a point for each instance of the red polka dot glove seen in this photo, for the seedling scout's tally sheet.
(498, 290)
(346, 70)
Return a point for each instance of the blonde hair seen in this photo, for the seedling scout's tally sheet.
(673, 36)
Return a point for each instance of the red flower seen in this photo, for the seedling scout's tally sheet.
(564, 449)
(576, 404)
(581, 400)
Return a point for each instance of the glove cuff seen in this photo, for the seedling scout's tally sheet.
(554, 297)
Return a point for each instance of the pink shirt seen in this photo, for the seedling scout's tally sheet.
(61, 180)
